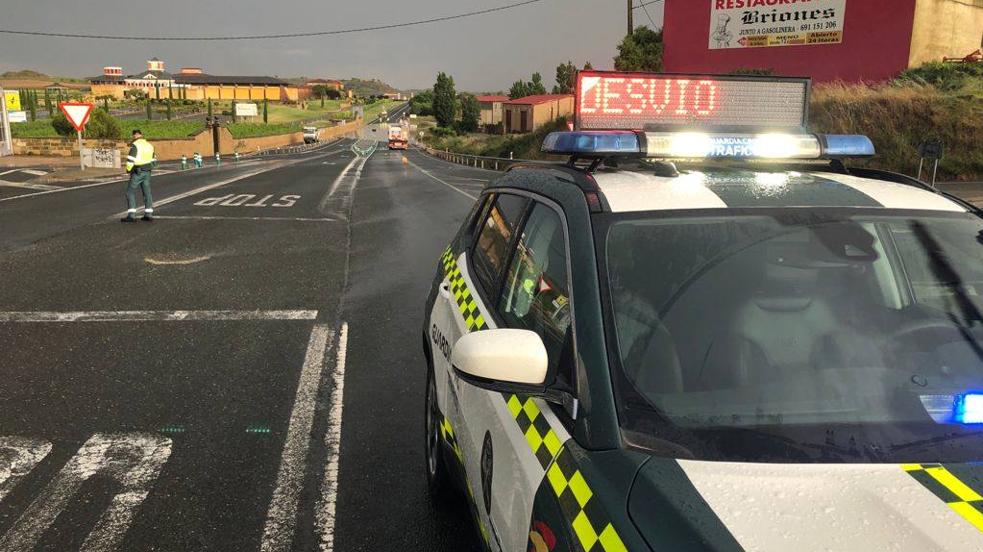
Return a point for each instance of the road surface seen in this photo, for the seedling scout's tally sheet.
(244, 373)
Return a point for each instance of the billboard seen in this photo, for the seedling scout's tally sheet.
(766, 23)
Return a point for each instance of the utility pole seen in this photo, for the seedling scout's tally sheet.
(631, 24)
(6, 145)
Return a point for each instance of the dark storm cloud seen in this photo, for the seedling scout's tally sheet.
(485, 52)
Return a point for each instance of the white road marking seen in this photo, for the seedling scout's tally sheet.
(204, 188)
(65, 189)
(153, 316)
(33, 172)
(325, 513)
(192, 260)
(449, 185)
(281, 517)
(134, 460)
(29, 186)
(8, 172)
(291, 219)
(117, 180)
(18, 456)
(334, 185)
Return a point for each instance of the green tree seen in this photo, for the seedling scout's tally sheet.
(565, 76)
(210, 107)
(520, 89)
(150, 111)
(470, 113)
(32, 104)
(266, 111)
(320, 91)
(47, 103)
(443, 100)
(100, 126)
(168, 101)
(422, 103)
(588, 66)
(536, 85)
(640, 51)
(233, 111)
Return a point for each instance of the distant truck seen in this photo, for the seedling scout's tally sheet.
(397, 138)
(310, 135)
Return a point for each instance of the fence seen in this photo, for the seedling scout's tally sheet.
(478, 161)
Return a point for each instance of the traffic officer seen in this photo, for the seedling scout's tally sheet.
(139, 163)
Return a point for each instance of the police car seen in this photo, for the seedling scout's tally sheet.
(707, 331)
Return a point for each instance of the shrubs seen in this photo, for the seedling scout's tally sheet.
(947, 77)
(898, 118)
(100, 126)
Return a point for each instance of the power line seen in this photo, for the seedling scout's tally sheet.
(647, 14)
(273, 36)
(643, 4)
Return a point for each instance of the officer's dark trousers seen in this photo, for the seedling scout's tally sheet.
(139, 179)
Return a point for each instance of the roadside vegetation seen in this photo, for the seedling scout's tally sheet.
(936, 101)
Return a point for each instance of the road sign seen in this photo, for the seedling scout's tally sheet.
(77, 113)
(17, 116)
(12, 99)
(931, 149)
(247, 110)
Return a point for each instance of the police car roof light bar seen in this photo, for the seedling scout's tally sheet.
(699, 145)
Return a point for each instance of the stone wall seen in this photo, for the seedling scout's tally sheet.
(174, 149)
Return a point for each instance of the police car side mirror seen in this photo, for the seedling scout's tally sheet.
(506, 360)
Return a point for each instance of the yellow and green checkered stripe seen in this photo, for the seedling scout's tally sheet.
(447, 432)
(584, 512)
(960, 497)
(587, 517)
(465, 301)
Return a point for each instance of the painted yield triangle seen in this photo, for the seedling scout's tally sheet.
(77, 113)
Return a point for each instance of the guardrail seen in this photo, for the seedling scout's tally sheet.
(477, 161)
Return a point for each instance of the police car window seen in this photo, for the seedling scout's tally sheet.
(536, 294)
(492, 247)
(795, 324)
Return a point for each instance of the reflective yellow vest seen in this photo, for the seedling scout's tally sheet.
(141, 153)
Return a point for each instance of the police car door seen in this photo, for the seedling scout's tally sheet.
(514, 438)
(461, 308)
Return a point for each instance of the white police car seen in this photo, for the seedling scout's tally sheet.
(706, 332)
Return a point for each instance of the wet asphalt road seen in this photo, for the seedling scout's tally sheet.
(196, 414)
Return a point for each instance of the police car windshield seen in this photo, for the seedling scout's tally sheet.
(799, 334)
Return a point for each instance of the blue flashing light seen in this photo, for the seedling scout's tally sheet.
(592, 142)
(968, 408)
(847, 145)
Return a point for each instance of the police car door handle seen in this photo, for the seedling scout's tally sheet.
(445, 289)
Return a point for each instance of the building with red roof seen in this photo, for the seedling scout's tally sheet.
(526, 114)
(491, 112)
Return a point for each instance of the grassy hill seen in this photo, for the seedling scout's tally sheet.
(30, 74)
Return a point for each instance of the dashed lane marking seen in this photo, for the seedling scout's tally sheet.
(165, 262)
(281, 518)
(325, 515)
(152, 316)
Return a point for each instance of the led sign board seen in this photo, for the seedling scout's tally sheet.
(647, 101)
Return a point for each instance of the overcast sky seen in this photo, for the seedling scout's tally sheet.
(485, 52)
